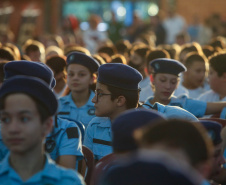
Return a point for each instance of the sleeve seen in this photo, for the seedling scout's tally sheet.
(196, 107)
(88, 140)
(71, 143)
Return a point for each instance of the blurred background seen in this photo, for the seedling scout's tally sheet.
(23, 19)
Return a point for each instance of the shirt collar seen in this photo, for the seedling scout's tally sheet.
(105, 122)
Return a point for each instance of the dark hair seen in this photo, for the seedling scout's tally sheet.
(41, 107)
(7, 54)
(208, 50)
(131, 96)
(192, 57)
(189, 136)
(158, 53)
(218, 63)
(118, 58)
(123, 46)
(110, 50)
(56, 63)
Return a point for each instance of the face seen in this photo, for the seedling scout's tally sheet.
(195, 74)
(21, 127)
(35, 56)
(136, 59)
(218, 160)
(165, 85)
(214, 80)
(78, 78)
(105, 107)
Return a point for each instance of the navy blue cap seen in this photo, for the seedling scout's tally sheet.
(83, 59)
(124, 126)
(214, 130)
(119, 75)
(28, 68)
(169, 66)
(156, 170)
(32, 86)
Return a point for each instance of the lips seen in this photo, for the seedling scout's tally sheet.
(14, 141)
(166, 93)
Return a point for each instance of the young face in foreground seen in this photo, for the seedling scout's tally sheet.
(165, 85)
(21, 127)
(105, 107)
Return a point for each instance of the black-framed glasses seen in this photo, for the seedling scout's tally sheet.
(99, 95)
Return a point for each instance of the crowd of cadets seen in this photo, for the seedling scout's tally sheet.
(139, 103)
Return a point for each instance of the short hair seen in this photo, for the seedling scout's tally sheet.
(157, 53)
(191, 137)
(33, 45)
(57, 63)
(70, 48)
(123, 46)
(7, 54)
(218, 62)
(131, 96)
(208, 50)
(192, 57)
(110, 50)
(118, 58)
(99, 59)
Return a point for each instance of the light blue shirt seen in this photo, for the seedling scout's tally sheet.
(196, 107)
(171, 112)
(50, 174)
(65, 139)
(68, 109)
(98, 137)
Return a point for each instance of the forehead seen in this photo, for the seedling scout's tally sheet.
(197, 63)
(100, 86)
(167, 76)
(77, 67)
(18, 102)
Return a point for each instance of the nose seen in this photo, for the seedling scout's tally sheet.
(222, 160)
(94, 99)
(167, 85)
(14, 126)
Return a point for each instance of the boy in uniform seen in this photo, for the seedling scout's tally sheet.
(27, 105)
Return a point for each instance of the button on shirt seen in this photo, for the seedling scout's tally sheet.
(65, 139)
(68, 109)
(51, 174)
(98, 137)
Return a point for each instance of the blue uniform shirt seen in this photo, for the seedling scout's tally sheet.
(171, 112)
(50, 174)
(68, 109)
(65, 139)
(3, 149)
(98, 137)
(196, 107)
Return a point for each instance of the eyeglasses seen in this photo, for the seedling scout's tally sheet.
(99, 95)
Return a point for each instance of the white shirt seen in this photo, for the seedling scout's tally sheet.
(211, 96)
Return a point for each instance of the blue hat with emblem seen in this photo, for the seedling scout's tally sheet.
(124, 126)
(169, 66)
(119, 75)
(83, 59)
(32, 86)
(28, 68)
(214, 130)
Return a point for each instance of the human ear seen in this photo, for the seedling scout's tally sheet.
(121, 101)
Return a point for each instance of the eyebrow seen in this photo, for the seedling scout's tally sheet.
(20, 112)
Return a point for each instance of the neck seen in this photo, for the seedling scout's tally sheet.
(59, 86)
(156, 99)
(117, 113)
(80, 98)
(222, 95)
(26, 165)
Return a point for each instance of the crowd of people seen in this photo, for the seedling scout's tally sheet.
(143, 105)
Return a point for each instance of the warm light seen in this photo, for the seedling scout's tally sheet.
(153, 9)
(121, 11)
